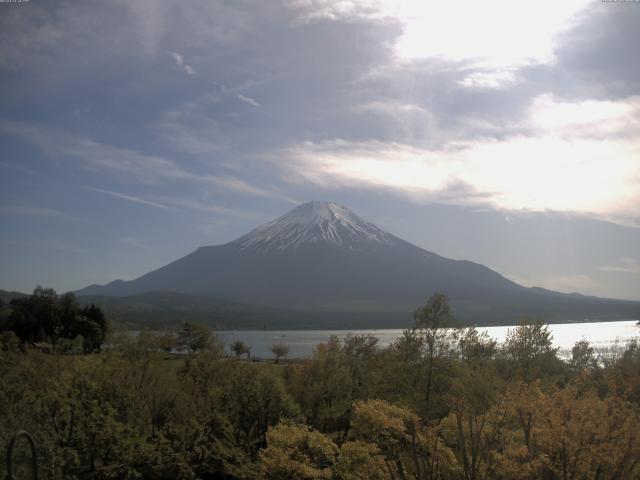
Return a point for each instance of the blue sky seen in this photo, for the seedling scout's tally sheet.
(133, 132)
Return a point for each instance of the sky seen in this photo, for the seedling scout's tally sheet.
(507, 133)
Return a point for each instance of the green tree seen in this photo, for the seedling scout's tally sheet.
(47, 317)
(474, 346)
(195, 337)
(583, 356)
(323, 386)
(529, 350)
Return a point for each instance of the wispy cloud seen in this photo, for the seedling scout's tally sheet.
(625, 265)
(207, 207)
(22, 210)
(179, 59)
(561, 283)
(16, 168)
(182, 205)
(48, 245)
(248, 100)
(134, 242)
(390, 107)
(132, 198)
(127, 164)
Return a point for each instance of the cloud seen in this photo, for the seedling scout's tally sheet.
(521, 173)
(625, 265)
(16, 168)
(490, 79)
(179, 204)
(492, 33)
(560, 283)
(390, 107)
(571, 283)
(587, 118)
(123, 162)
(180, 62)
(132, 198)
(48, 245)
(134, 242)
(23, 210)
(248, 100)
(127, 164)
(208, 207)
(570, 156)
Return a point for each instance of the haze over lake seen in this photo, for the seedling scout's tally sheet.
(302, 342)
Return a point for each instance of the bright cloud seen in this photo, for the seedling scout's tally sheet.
(587, 117)
(490, 79)
(557, 167)
(625, 265)
(491, 33)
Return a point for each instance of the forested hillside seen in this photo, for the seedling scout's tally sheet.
(439, 403)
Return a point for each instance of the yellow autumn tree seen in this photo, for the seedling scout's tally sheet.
(295, 452)
(411, 449)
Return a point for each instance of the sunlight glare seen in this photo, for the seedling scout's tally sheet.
(492, 33)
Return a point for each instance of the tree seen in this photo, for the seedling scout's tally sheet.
(9, 341)
(583, 356)
(166, 341)
(280, 350)
(295, 452)
(150, 341)
(474, 347)
(433, 322)
(529, 347)
(195, 337)
(36, 318)
(47, 317)
(323, 386)
(568, 434)
(240, 348)
(360, 461)
(91, 324)
(410, 449)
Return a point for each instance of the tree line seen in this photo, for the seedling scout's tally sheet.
(441, 402)
(55, 321)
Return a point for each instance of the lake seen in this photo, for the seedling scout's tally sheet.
(301, 342)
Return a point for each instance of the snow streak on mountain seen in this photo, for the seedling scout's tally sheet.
(315, 222)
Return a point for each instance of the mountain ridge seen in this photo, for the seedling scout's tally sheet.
(320, 256)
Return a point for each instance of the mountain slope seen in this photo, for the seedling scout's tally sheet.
(322, 257)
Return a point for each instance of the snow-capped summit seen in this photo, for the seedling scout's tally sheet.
(312, 222)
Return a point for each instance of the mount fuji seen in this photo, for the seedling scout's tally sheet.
(323, 260)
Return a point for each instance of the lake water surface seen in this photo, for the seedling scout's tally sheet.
(301, 342)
